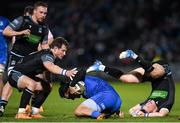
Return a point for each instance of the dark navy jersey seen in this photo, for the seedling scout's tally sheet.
(26, 44)
(33, 64)
(163, 88)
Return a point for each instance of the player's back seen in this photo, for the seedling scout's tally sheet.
(33, 63)
(95, 85)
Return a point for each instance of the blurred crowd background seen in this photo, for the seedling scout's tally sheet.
(101, 29)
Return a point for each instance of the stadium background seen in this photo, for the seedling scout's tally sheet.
(101, 29)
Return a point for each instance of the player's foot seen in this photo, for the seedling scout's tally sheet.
(28, 109)
(37, 116)
(97, 66)
(127, 54)
(23, 116)
(101, 117)
(41, 109)
(121, 114)
(1, 111)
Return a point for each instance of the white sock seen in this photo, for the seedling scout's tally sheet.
(35, 110)
(21, 110)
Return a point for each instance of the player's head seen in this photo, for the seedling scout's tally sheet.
(150, 106)
(69, 92)
(40, 11)
(63, 89)
(75, 88)
(28, 10)
(80, 76)
(59, 47)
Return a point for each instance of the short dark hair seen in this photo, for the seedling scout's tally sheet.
(28, 9)
(62, 89)
(58, 42)
(80, 76)
(40, 3)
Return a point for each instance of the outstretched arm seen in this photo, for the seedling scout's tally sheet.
(50, 66)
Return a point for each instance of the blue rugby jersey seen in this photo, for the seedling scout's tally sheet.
(3, 23)
(95, 85)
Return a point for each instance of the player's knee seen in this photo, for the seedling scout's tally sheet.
(79, 111)
(31, 85)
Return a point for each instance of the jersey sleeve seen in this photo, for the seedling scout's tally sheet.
(16, 23)
(47, 57)
(46, 37)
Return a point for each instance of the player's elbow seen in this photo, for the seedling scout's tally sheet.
(162, 115)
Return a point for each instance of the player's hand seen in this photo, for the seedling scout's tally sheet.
(71, 73)
(136, 113)
(25, 32)
(127, 54)
(140, 114)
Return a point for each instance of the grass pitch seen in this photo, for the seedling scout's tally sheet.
(61, 110)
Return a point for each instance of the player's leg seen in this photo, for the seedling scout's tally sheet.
(19, 81)
(44, 90)
(1, 79)
(3, 60)
(98, 66)
(88, 108)
(7, 89)
(95, 105)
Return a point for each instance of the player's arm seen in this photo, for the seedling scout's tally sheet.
(10, 30)
(134, 110)
(162, 113)
(10, 33)
(50, 66)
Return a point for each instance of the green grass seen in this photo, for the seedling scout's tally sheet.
(61, 110)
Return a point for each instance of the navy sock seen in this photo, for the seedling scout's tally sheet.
(25, 98)
(3, 103)
(116, 73)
